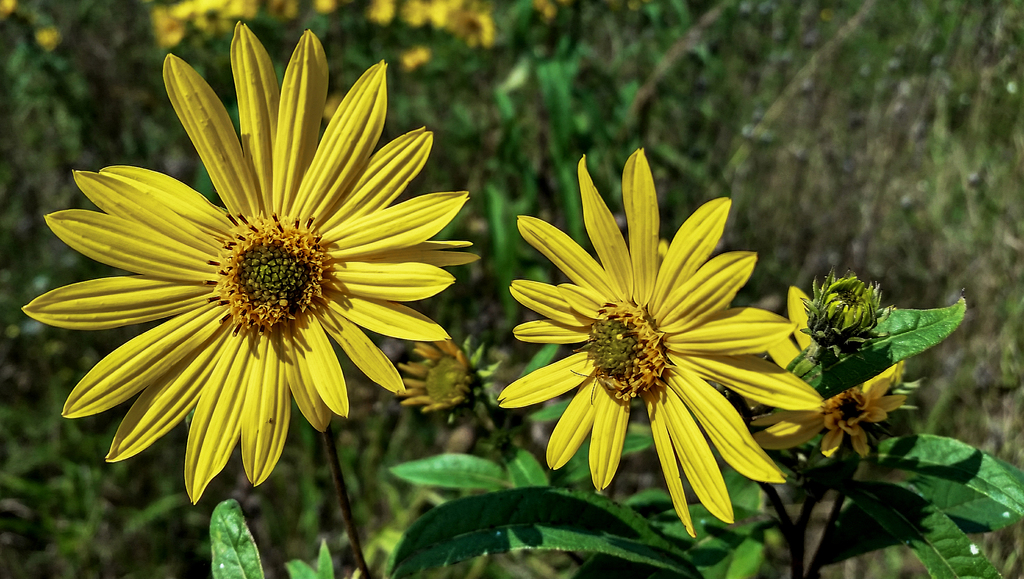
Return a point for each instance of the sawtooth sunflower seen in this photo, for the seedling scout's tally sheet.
(657, 330)
(309, 246)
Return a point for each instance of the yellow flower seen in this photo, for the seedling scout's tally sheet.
(474, 25)
(167, 29)
(7, 7)
(845, 413)
(416, 13)
(441, 381)
(325, 6)
(48, 37)
(657, 333)
(381, 12)
(309, 247)
(415, 57)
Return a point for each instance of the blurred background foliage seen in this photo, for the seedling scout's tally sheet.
(884, 137)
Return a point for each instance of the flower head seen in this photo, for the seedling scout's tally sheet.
(655, 330)
(843, 313)
(442, 381)
(855, 412)
(309, 246)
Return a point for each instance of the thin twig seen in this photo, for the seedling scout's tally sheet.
(346, 507)
(833, 515)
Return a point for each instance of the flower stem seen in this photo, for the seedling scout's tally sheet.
(346, 508)
(816, 562)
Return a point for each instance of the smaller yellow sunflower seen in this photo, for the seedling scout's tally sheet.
(851, 412)
(441, 381)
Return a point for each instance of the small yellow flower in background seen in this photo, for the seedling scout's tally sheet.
(331, 105)
(7, 7)
(283, 9)
(325, 6)
(415, 57)
(473, 24)
(416, 13)
(443, 380)
(657, 332)
(310, 246)
(381, 12)
(167, 28)
(848, 412)
(48, 37)
(547, 9)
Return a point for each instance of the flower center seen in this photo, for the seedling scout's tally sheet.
(847, 406)
(272, 271)
(448, 381)
(626, 349)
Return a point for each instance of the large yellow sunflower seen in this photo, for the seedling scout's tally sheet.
(309, 247)
(658, 332)
(851, 412)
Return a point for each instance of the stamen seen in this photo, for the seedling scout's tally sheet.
(231, 218)
(211, 262)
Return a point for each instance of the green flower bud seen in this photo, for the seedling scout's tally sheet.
(844, 313)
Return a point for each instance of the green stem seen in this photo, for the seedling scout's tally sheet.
(346, 508)
(830, 524)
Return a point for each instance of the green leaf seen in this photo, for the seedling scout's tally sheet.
(453, 471)
(542, 358)
(234, 552)
(972, 511)
(298, 569)
(903, 334)
(324, 566)
(855, 533)
(531, 518)
(524, 470)
(732, 552)
(952, 460)
(942, 547)
(550, 412)
(607, 567)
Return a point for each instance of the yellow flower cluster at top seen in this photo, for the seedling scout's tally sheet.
(471, 21)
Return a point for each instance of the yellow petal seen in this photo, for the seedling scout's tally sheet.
(605, 235)
(690, 248)
(208, 125)
(400, 282)
(385, 177)
(120, 197)
(299, 115)
(754, 378)
(566, 254)
(127, 245)
(385, 317)
(611, 416)
(695, 455)
(319, 364)
(176, 196)
(265, 415)
(890, 403)
(396, 227)
(363, 353)
(348, 141)
(641, 204)
(217, 422)
(548, 332)
(429, 252)
(783, 352)
(165, 403)
(547, 382)
(711, 289)
(573, 427)
(546, 300)
(788, 428)
(112, 302)
(141, 361)
(724, 426)
(732, 331)
(258, 103)
(831, 441)
(585, 301)
(303, 391)
(667, 456)
(798, 314)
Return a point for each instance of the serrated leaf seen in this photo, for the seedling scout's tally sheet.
(453, 471)
(903, 334)
(234, 552)
(531, 518)
(942, 547)
(524, 470)
(952, 460)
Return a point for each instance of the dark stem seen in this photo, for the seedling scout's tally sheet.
(346, 507)
(833, 515)
(794, 532)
